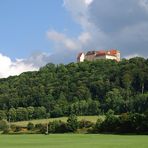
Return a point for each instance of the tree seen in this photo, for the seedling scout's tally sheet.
(57, 112)
(93, 107)
(87, 88)
(21, 114)
(40, 112)
(2, 115)
(114, 100)
(72, 123)
(12, 114)
(140, 103)
(30, 110)
(97, 127)
(110, 124)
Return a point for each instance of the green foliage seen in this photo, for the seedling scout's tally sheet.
(30, 126)
(88, 88)
(97, 127)
(72, 123)
(85, 124)
(3, 125)
(125, 123)
(30, 110)
(2, 115)
(12, 114)
(40, 112)
(22, 114)
(58, 126)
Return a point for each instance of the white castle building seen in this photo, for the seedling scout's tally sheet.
(112, 54)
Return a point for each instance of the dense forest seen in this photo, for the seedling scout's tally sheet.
(88, 88)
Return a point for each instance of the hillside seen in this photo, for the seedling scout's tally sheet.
(88, 88)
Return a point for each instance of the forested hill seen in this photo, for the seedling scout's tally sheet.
(86, 88)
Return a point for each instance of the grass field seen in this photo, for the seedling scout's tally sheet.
(73, 141)
(24, 123)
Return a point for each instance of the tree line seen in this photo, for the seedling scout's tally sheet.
(88, 88)
(133, 123)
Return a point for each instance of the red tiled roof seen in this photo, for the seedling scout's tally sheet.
(111, 52)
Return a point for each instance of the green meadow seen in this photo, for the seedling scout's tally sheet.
(73, 141)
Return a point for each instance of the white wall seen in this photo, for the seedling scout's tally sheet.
(82, 57)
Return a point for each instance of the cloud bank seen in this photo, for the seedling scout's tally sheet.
(16, 67)
(106, 24)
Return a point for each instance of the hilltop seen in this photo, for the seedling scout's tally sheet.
(87, 88)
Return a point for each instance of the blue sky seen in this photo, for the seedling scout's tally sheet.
(36, 32)
(24, 24)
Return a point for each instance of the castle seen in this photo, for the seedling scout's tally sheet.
(112, 54)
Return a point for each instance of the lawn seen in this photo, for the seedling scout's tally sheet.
(24, 123)
(73, 141)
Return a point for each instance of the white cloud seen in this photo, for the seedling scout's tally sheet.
(107, 24)
(10, 68)
(84, 37)
(88, 2)
(63, 40)
(132, 56)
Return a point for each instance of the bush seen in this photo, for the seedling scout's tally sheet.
(3, 125)
(38, 126)
(97, 127)
(72, 123)
(42, 128)
(57, 127)
(30, 126)
(18, 129)
(13, 127)
(85, 124)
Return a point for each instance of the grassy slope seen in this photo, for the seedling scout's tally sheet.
(24, 123)
(73, 141)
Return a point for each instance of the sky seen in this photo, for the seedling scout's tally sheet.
(36, 32)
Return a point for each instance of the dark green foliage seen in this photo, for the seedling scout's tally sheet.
(21, 114)
(12, 114)
(40, 112)
(30, 126)
(72, 123)
(125, 123)
(2, 115)
(88, 88)
(110, 124)
(97, 127)
(58, 127)
(85, 124)
(133, 123)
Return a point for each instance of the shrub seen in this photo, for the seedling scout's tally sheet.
(41, 128)
(97, 127)
(85, 124)
(30, 126)
(18, 129)
(72, 123)
(3, 125)
(57, 127)
(110, 124)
